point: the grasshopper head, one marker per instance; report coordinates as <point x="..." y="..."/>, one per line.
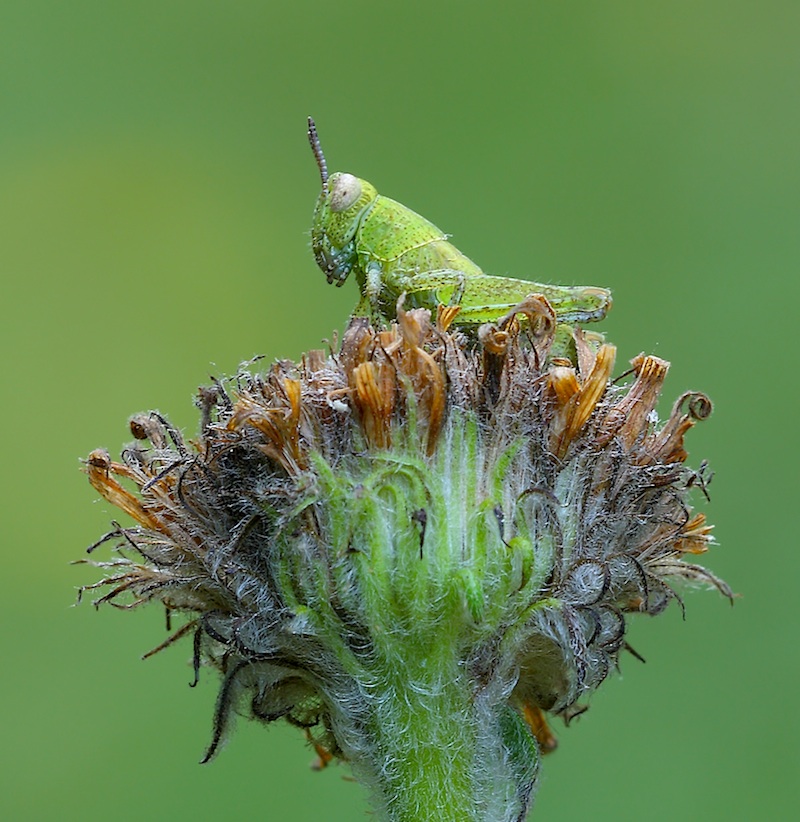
<point x="343" y="203"/>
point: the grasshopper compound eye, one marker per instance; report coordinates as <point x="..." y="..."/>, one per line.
<point x="345" y="190"/>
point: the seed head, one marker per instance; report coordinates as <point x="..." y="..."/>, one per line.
<point x="414" y="524"/>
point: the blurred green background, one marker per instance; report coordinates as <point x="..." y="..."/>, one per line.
<point x="156" y="190"/>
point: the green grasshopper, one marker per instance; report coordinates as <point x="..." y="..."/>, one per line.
<point x="393" y="251"/>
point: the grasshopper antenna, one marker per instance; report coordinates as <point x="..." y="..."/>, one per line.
<point x="317" y="149"/>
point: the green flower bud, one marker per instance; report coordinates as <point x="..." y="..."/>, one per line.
<point x="415" y="546"/>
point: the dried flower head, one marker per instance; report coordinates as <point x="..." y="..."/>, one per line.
<point x="415" y="545"/>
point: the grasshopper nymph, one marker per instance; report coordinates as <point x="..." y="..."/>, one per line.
<point x="393" y="250"/>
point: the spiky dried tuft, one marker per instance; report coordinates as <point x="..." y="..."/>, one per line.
<point x="411" y="510"/>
